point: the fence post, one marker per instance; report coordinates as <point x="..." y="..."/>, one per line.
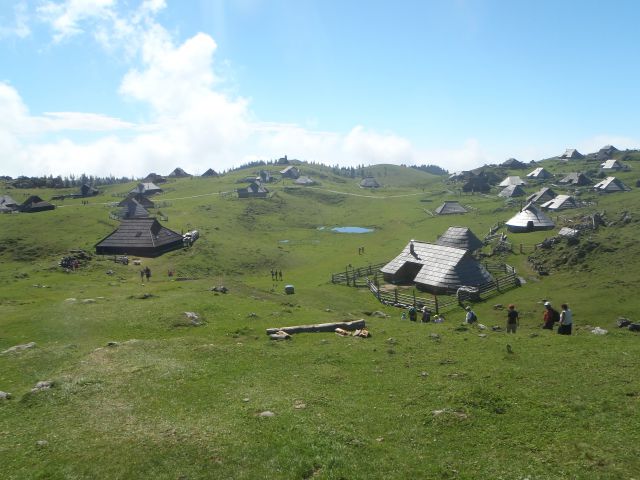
<point x="498" y="285"/>
<point x="414" y="297"/>
<point x="521" y="248"/>
<point x="435" y="302"/>
<point x="346" y="275"/>
<point x="395" y="294"/>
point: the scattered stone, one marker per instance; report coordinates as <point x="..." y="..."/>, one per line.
<point x="380" y="439"/>
<point x="110" y="272"/>
<point x="391" y="341"/>
<point x="219" y="289"/>
<point x="496" y="328"/>
<point x="71" y="300"/>
<point x="328" y="310"/>
<point x="252" y="315"/>
<point x="113" y="344"/>
<point x="482" y="335"/>
<point x="599" y="331"/>
<point x="194" y="318"/>
<point x="280" y="335"/>
<point x="4" y="395"/>
<point x="379" y="314"/>
<point x="42" y="443"/>
<point x="144" y="296"/>
<point x="634" y="327"/>
<point x="245" y="399"/>
<point x="498" y="306"/>
<point x="424" y="374"/>
<point x="88" y="300"/>
<point x="299" y="405"/>
<point x="623" y="322"/>
<point x="42" y="385"/>
<point x="267" y="414"/>
<point x="434" y="336"/>
<point x="481" y="326"/>
<point x="19" y="348"/>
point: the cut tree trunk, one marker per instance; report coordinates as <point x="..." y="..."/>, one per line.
<point x="320" y="327"/>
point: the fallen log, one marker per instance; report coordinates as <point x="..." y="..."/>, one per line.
<point x="320" y="327"/>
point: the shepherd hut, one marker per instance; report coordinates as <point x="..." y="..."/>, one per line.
<point x="35" y="204"/>
<point x="571" y="154"/>
<point x="561" y="202"/>
<point x="511" y="191"/>
<point x="513" y="163"/>
<point x="140" y="198"/>
<point x="512" y="180"/>
<point x="290" y="172"/>
<point x="543" y="195"/>
<point x="87" y="190"/>
<point x="611" y="184"/>
<point x="575" y="178"/>
<point x="253" y="190"/>
<point x="131" y="208"/>
<point x="7" y="204"/>
<point x="450" y="207"/>
<point x="539" y="174"/>
<point x="611" y="164"/>
<point x="179" y="173"/>
<point x="305" y="181"/>
<point x="460" y="237"/>
<point x="529" y="219"/>
<point x="436" y="269"/>
<point x="147" y="188"/>
<point x="144" y="237"/>
<point x="209" y="173"/>
<point x="369" y="182"/>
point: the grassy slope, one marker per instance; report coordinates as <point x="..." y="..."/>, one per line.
<point x="173" y="400"/>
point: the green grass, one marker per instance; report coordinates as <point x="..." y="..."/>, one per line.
<point x="178" y="401"/>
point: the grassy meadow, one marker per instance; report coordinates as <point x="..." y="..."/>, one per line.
<point x="140" y="392"/>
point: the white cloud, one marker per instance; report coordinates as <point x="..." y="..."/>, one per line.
<point x="66" y="18"/>
<point x="20" y="27"/>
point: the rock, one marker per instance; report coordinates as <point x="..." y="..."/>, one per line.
<point x="498" y="306"/>
<point x="267" y="414"/>
<point x="88" y="300"/>
<point x="220" y="289"/>
<point x="245" y="399"/>
<point x="379" y="314"/>
<point x="42" y="443"/>
<point x="113" y="344"/>
<point x="482" y="335"/>
<point x="623" y="322"/>
<point x="42" y="385"/>
<point x="299" y="405"/>
<point x="634" y="327"/>
<point x="70" y="300"/>
<point x="424" y="374"/>
<point x="481" y="326"/>
<point x="599" y="331"/>
<point x="434" y="336"/>
<point x="193" y="318"/>
<point x="4" y="395"/>
<point x="496" y="328"/>
<point x="19" y="348"/>
<point x="252" y="315"/>
<point x="109" y="272"/>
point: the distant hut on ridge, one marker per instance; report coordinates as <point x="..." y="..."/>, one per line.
<point x="35" y="204"/>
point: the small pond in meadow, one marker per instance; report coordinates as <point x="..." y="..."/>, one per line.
<point x="352" y="230"/>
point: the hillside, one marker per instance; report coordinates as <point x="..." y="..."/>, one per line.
<point x="140" y="391"/>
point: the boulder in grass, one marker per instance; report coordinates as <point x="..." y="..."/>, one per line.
<point x="42" y="385"/>
<point x="20" y="348"/>
<point x="623" y="322"/>
<point x="634" y="327"/>
<point x="4" y="395"/>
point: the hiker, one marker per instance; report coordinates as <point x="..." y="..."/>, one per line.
<point x="147" y="273"/>
<point x="412" y="248"/>
<point x="566" y="320"/>
<point x="403" y="316"/>
<point x="513" y="320"/>
<point x="272" y="273"/>
<point x="550" y="317"/>
<point x="413" y="313"/>
<point x="471" y="316"/>
<point x="280" y="273"/>
<point x="426" y="315"/>
<point x="142" y="274"/>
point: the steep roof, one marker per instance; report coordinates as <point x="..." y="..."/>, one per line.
<point x="146" y="188"/>
<point x="304" y="181"/>
<point x="611" y="184"/>
<point x="561" y="202"/>
<point x="369" y="182"/>
<point x="133" y="209"/>
<point x="512" y="180"/>
<point x="611" y="164"/>
<point x="513" y="163"/>
<point x="209" y="173"/>
<point x="442" y="267"/>
<point x="529" y="218"/>
<point x="539" y="172"/>
<point x="460" y="237"/>
<point x="7" y="201"/>
<point x="575" y="178"/>
<point x="35" y="204"/>
<point x="140" y="198"/>
<point x="179" y="173"/>
<point x="450" y="207"/>
<point x="140" y="234"/>
<point x="512" y="191"/>
<point x="541" y="195"/>
<point x="571" y="153"/>
<point x="254" y="188"/>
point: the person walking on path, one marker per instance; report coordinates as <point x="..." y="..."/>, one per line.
<point x="147" y="273"/>
<point x="551" y="316"/>
<point x="471" y="316"/>
<point x="513" y="320"/>
<point x="566" y="320"/>
<point x="280" y="274"/>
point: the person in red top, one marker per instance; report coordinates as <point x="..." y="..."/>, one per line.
<point x="550" y="316"/>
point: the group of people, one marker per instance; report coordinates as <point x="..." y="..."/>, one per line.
<point x="276" y="275"/>
<point x="424" y="313"/>
<point x="550" y="317"/>
<point x="145" y="272"/>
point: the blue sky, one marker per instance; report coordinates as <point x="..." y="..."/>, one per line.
<point x="128" y="87"/>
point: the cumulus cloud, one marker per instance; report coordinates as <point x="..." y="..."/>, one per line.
<point x="67" y="18"/>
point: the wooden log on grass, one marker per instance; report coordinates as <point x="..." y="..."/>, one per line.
<point x="319" y="327"/>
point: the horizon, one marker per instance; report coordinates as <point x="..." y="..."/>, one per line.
<point x="147" y="86"/>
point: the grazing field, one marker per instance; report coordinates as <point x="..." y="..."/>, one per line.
<point x="140" y="391"/>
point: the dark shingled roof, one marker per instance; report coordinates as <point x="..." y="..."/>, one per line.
<point x="460" y="237"/>
<point x="179" y="173"/>
<point x="441" y="268"/>
<point x="140" y="236"/>
<point x="146" y="188"/>
<point x="541" y="195"/>
<point x="209" y="173"/>
<point x="369" y="182"/>
<point x="255" y="189"/>
<point x="140" y="198"/>
<point x="561" y="202"/>
<point x="575" y="178"/>
<point x="450" y="208"/>
<point x="133" y="209"/>
<point x="512" y="191"/>
<point x="35" y="204"/>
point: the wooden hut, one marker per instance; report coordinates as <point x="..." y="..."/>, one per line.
<point x="512" y="180"/>
<point x="436" y="269"/>
<point x="543" y="195"/>
<point x="132" y="209"/>
<point x="611" y="164"/>
<point x="143" y="200"/>
<point x="513" y="163"/>
<point x="146" y="188"/>
<point x="511" y="191"/>
<point x="460" y="237"/>
<point x="450" y="207"/>
<point x="144" y="237"/>
<point x="539" y="174"/>
<point x="571" y="154"/>
<point x="8" y="204"/>
<point x="611" y="184"/>
<point x="209" y="173"/>
<point x="304" y="181"/>
<point x="369" y="182"/>
<point x="561" y="202"/>
<point x="529" y="219"/>
<point x="290" y="172"/>
<point x="87" y="190"/>
<point x="254" y="190"/>
<point x="575" y="178"/>
<point x="35" y="204"/>
<point x="179" y="173"/>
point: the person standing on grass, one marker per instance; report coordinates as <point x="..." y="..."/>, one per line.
<point x="142" y="275"/>
<point x="413" y="313"/>
<point x="566" y="320"/>
<point x="513" y="320"/>
<point x="147" y="273"/>
<point x="551" y="316"/>
<point x="471" y="316"/>
<point x="426" y="315"/>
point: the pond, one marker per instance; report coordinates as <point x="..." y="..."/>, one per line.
<point x="352" y="230"/>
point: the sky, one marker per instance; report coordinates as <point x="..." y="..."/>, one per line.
<point x="129" y="87"/>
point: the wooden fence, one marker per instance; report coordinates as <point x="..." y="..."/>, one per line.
<point x="505" y="278"/>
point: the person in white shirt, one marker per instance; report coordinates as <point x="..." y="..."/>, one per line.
<point x="566" y="320"/>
